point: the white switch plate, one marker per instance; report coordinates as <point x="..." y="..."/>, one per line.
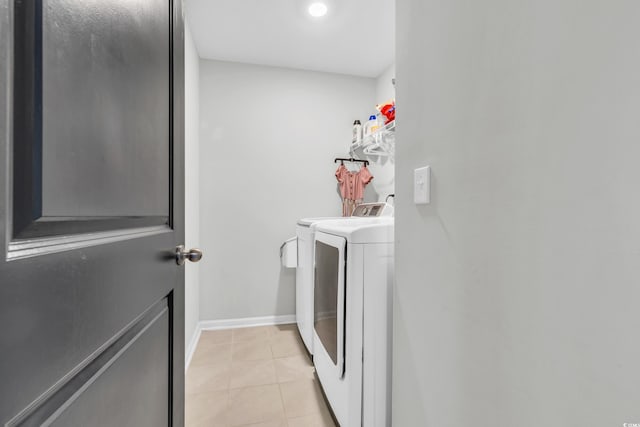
<point x="422" y="186"/>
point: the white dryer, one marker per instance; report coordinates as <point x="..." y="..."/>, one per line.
<point x="353" y="318"/>
<point x="305" y="231"/>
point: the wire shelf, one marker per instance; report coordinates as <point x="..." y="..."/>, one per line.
<point x="380" y="143"/>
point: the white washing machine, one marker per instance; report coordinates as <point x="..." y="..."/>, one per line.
<point x="352" y="331"/>
<point x="305" y="231"/>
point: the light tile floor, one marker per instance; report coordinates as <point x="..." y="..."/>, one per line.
<point x="253" y="377"/>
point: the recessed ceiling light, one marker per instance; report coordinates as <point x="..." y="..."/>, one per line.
<point x="318" y="9"/>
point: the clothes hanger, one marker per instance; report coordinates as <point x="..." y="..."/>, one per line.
<point x="352" y="160"/>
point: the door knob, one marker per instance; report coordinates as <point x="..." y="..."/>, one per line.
<point x="182" y="255"/>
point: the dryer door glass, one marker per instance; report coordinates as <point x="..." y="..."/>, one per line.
<point x="329" y="298"/>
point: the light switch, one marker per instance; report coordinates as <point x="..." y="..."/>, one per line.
<point x="422" y="186"/>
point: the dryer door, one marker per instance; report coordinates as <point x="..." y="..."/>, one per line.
<point x="329" y="297"/>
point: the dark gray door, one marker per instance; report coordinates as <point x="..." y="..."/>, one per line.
<point x="91" y="209"/>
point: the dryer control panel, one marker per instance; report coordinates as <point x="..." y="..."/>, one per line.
<point x="373" y="210"/>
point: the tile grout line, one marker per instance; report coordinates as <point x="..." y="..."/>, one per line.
<point x="284" y="410"/>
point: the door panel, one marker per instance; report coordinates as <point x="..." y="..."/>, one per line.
<point x="142" y="402"/>
<point x="92" y="392"/>
<point x="91" y="209"/>
<point x="71" y="316"/>
<point x="91" y="115"/>
<point x="104" y="152"/>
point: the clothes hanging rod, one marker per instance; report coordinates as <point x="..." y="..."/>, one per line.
<point x="352" y="160"/>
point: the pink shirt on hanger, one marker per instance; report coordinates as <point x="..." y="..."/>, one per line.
<point x="352" y="184"/>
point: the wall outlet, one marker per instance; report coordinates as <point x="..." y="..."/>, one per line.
<point x="422" y="186"/>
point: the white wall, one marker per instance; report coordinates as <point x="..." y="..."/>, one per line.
<point x="384" y="86"/>
<point x="192" y="192"/>
<point x="518" y="287"/>
<point x="267" y="143"/>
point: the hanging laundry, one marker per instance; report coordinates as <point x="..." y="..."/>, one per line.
<point x="352" y="185"/>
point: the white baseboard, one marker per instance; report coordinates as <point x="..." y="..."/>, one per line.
<point x="211" y="325"/>
<point x="191" y="348"/>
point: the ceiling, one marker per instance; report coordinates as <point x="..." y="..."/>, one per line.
<point x="356" y="37"/>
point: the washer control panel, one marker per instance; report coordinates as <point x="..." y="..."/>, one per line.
<point x="373" y="210"/>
